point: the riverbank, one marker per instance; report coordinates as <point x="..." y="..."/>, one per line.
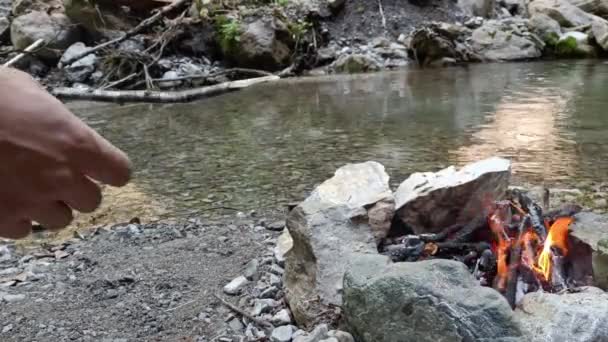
<point x="162" y="46"/>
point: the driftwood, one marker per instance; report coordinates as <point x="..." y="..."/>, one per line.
<point x="27" y="50"/>
<point x="137" y="29"/>
<point x="158" y="96"/>
<point x="267" y="326"/>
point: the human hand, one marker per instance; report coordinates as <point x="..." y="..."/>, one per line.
<point x="48" y="159"/>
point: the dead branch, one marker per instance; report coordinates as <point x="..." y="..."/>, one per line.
<point x="119" y="82"/>
<point x="27" y="50"/>
<point x="158" y="96"/>
<point x="141" y="26"/>
<point x="261" y="323"/>
<point x="382" y="14"/>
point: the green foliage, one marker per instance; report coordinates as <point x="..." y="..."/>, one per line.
<point x="566" y="47"/>
<point x="298" y="29"/>
<point x="551" y="39"/>
<point x="283" y="2"/>
<point x="229" y="33"/>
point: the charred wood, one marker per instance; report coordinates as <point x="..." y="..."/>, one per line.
<point x="536" y="214"/>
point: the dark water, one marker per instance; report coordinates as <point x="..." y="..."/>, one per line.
<point x="271" y="144"/>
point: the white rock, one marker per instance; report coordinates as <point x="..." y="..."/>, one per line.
<point x="10" y="298"/>
<point x="282" y="317"/>
<point x="235" y="286"/>
<point x="282" y="334"/>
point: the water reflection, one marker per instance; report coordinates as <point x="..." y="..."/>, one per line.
<point x="271" y="144"/>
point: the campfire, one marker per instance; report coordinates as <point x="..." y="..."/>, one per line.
<point x="511" y="246"/>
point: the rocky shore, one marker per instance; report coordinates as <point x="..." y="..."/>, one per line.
<point x="198" y="43"/>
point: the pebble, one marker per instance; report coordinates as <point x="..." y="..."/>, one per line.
<point x="262" y="306"/>
<point x="251" y="270"/>
<point x="234" y="287"/>
<point x="236" y="325"/>
<point x="341" y="336"/>
<point x="276" y="269"/>
<point x="282" y="317"/>
<point x="282" y="334"/>
<point x="7" y="328"/>
<point x="10" y="270"/>
<point x="270" y="292"/>
<point x="276" y="226"/>
<point x="275" y="280"/>
<point x="11" y="298"/>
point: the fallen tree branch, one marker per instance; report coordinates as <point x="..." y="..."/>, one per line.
<point x="144" y="24"/>
<point x="27" y="50"/>
<point x="158" y="96"/>
<point x="382" y="14"/>
<point x="261" y="323"/>
<point x="253" y="72"/>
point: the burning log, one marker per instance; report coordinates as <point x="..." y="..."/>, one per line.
<point x="514" y="263"/>
<point x="535" y="212"/>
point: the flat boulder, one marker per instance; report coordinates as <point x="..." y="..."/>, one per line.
<point x="505" y="40"/>
<point x="592" y="229"/>
<point x="432" y="300"/>
<point x="572" y="317"/>
<point x="430" y="201"/>
<point x="341" y="217"/>
<point x="562" y="11"/>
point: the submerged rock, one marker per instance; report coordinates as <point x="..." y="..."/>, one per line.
<point x="592" y="229"/>
<point x="430" y="201"/>
<point x="433" y="300"/>
<point x="572" y="317"/>
<point x="56" y="30"/>
<point x="327" y="228"/>
<point x="505" y="40"/>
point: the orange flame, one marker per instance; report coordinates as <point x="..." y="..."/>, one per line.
<point x="557" y="237"/>
<point x="501" y="249"/>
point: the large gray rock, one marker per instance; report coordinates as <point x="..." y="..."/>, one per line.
<point x="546" y="28"/>
<point x="327" y="228"/>
<point x="428" y="202"/>
<point x="572" y="317"/>
<point x="565" y="13"/>
<point x="599" y="29"/>
<point x="597" y="7"/>
<point x="433" y="300"/>
<point x="478" y="8"/>
<point x="263" y="44"/>
<point x="505" y="40"/>
<point x="592" y="229"/>
<point x="437" y="41"/>
<point x="21" y="7"/>
<point x="83" y="68"/>
<point x="56" y="29"/>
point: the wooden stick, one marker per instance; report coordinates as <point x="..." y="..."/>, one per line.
<point x="382" y="14"/>
<point x="144" y="24"/>
<point x="261" y="323"/>
<point x="27" y="50"/>
<point x="158" y="96"/>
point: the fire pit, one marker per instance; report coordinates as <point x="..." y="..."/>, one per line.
<point x="511" y="246"/>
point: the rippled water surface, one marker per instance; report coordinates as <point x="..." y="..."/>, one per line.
<point x="270" y="144"/>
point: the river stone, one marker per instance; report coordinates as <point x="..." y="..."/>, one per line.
<point x="56" y="29"/>
<point x="264" y="44"/>
<point x="431" y="300"/>
<point x="236" y="285"/>
<point x="355" y="63"/>
<point x="572" y="317"/>
<point x="545" y="28"/>
<point x="575" y="44"/>
<point x="597" y="7"/>
<point x="599" y="29"/>
<point x="592" y="229"/>
<point x="282" y="333"/>
<point x="83" y="68"/>
<point x="431" y="201"/>
<point x="327" y="228"/>
<point x="504" y="41"/>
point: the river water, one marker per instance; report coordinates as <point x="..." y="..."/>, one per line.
<point x="268" y="145"/>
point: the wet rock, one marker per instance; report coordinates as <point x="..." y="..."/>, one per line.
<point x="82" y="69"/>
<point x="355" y="63"/>
<point x="282" y="317"/>
<point x="505" y="41"/>
<point x="327" y="228"/>
<point x="592" y="229"/>
<point x="236" y="285"/>
<point x="282" y="333"/>
<point x="572" y="317"/>
<point x="251" y="270"/>
<point x="56" y="29"/>
<point x="422" y="301"/>
<point x="545" y="28"/>
<point x="262" y="306"/>
<point x="264" y="44"/>
<point x="481" y="8"/>
<point x="429" y="202"/>
<point x="574" y="44"/>
<point x="341" y="336"/>
<point x="284" y="244"/>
